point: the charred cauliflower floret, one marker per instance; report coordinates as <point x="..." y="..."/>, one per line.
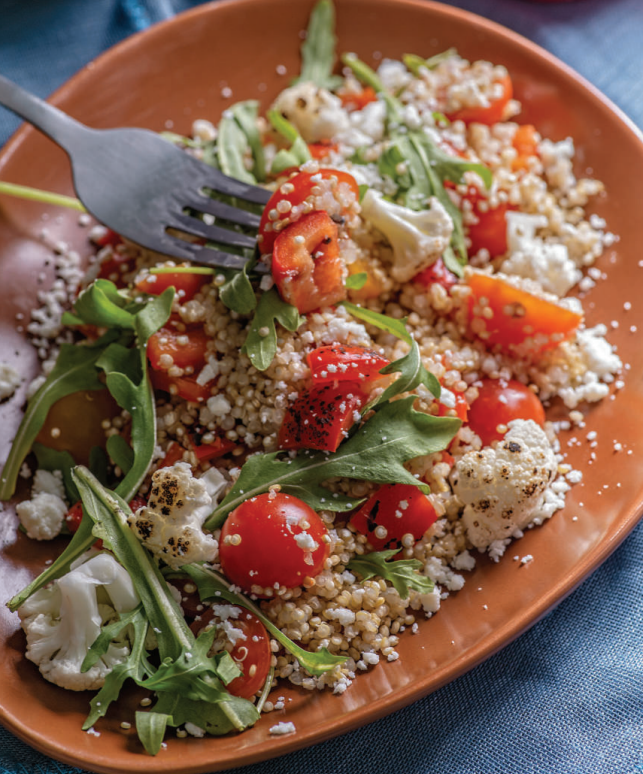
<point x="314" y="111"/>
<point x="503" y="486"/>
<point x="171" y="524"/>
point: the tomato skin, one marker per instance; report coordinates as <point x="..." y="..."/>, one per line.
<point x="380" y="511"/>
<point x="525" y="141"/>
<point x="191" y="353"/>
<point x="518" y="317"/>
<point x="251" y="654"/>
<point x="305" y="281"/>
<point x="186" y="285"/>
<point x="498" y="403"/>
<point x="320" y="418"/>
<point x="436" y="273"/>
<point x="268" y="552"/>
<point x="489" y="115"/>
<point x="185" y="387"/>
<point x="490" y="232"/>
<point x="460" y="410"/>
<point x="342" y="363"/>
<point x="210" y="451"/>
<point x="173" y="454"/>
<point x="302" y="184"/>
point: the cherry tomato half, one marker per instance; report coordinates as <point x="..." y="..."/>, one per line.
<point x="498" y="403"/>
<point x="436" y="273"/>
<point x="251" y="653"/>
<point x="296" y="196"/>
<point x="518" y="318"/>
<point x="187" y="349"/>
<point x="321" y="417"/>
<point x="187" y="285"/>
<point x="306" y="265"/>
<point x="342" y="363"/>
<point x="490" y="114"/>
<point x="393" y="511"/>
<point x="272" y="539"/>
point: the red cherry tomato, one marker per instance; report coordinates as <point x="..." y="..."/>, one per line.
<point x="498" y="403"/>
<point x="518" y="318"/>
<point x="340" y="363"/>
<point x="298" y="193"/>
<point x="460" y="409"/>
<point x="399" y="509"/>
<point x="489" y="115"/>
<point x="321" y="417"/>
<point x="306" y="265"/>
<point x="436" y="273"/>
<point x="188" y="348"/>
<point x="251" y="654"/>
<point x="185" y="387"/>
<point x="272" y="539"/>
<point x="186" y="284"/>
<point x="114" y="267"/>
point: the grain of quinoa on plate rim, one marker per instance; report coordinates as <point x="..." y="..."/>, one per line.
<point x="422" y="246"/>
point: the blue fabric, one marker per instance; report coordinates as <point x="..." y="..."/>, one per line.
<point x="565" y="698"/>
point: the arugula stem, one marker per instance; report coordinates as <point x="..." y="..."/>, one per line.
<point x="36" y="195"/>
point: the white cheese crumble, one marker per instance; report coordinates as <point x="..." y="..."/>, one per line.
<point x="282" y="728"/>
<point x="9" y="381"/>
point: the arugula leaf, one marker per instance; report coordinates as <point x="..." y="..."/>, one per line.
<point x="103" y="305"/>
<point x="356" y="281"/>
<point x="231" y="148"/>
<point x="237" y="292"/>
<point x="400" y="573"/>
<point x="150" y="727"/>
<point x="121" y="453"/>
<point x="75" y="370"/>
<point x="211" y="585"/>
<point x="318" y="50"/>
<point x="54" y="459"/>
<point x="261" y="348"/>
<point x="414" y="62"/>
<point x="298" y="153"/>
<point x="412" y="371"/>
<point x="245" y="114"/>
<point x="376" y="452"/>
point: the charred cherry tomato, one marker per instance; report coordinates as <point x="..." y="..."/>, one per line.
<point x="187" y="349"/>
<point x="272" y="539"/>
<point x="321" y="417"/>
<point x="306" y="265"/>
<point x="525" y="141"/>
<point x="436" y="273"/>
<point x="185" y="387"/>
<point x="252" y="653"/>
<point x="393" y="511"/>
<point x="187" y="285"/>
<point x="292" y="195"/>
<point x="518" y="318"/>
<point x="498" y="403"/>
<point x="210" y="451"/>
<point x="490" y="114"/>
<point x="358" y="100"/>
<point x="342" y="363"/>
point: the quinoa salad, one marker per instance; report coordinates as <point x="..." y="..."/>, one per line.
<point x="279" y="472"/>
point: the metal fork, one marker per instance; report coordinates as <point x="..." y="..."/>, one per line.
<point x="140" y="185"/>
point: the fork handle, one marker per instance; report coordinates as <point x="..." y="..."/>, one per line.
<point x="60" y="127"/>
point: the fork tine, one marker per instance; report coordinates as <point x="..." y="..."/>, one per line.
<point x="210" y="256"/>
<point x="224" y="236"/>
<point x="223" y="211"/>
<point x="213" y="178"/>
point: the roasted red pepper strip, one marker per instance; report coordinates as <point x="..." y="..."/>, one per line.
<point x="339" y="362"/>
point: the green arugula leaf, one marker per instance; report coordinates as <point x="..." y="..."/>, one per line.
<point x="54" y="459"/>
<point x="211" y="585"/>
<point x="232" y="144"/>
<point x="376" y="452"/>
<point x="150" y="727"/>
<point x="356" y="281"/>
<point x="245" y="114"/>
<point x="102" y="304"/>
<point x="98" y="464"/>
<point x="402" y="573"/>
<point x="298" y="154"/>
<point x="121" y="453"/>
<point x="414" y="62"/>
<point x="237" y="292"/>
<point x="318" y="50"/>
<point x="412" y="372"/>
<point x="261" y="348"/>
<point x="180" y="139"/>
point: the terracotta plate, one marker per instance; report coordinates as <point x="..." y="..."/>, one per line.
<point x="175" y="72"/>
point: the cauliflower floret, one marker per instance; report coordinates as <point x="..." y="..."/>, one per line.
<point x="314" y="111"/>
<point x="63" y="620"/>
<point x="9" y="381"/>
<point x="170" y="525"/>
<point x="418" y="239"/>
<point x="43" y="516"/>
<point x="503" y="486"/>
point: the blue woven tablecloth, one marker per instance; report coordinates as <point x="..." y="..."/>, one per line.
<point x="565" y="698"/>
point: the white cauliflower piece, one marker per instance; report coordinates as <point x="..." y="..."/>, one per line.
<point x="48" y="482"/>
<point x="43" y="516"/>
<point x="9" y="381"/>
<point x="533" y="258"/>
<point x="503" y="486"/>
<point x="63" y="620"/>
<point x="418" y="239"/>
<point x="315" y="112"/>
<point x="170" y="525"/>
